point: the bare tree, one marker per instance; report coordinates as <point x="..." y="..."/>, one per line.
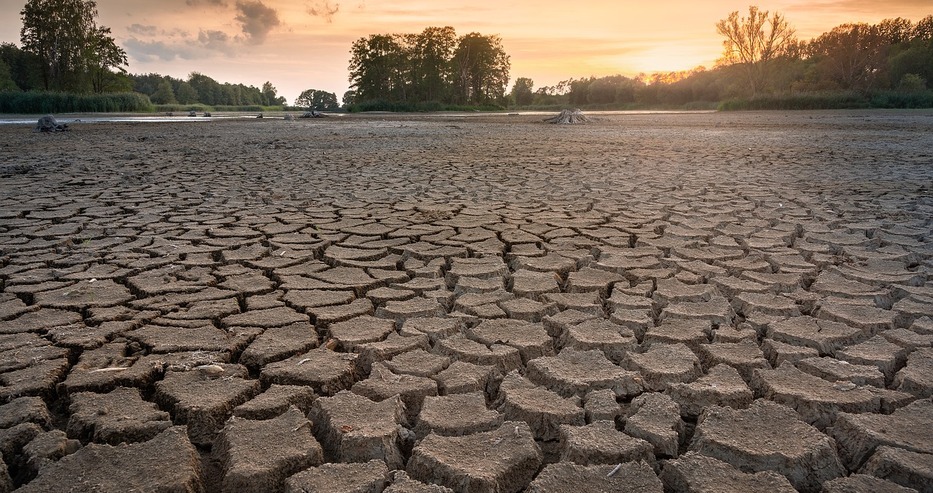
<point x="755" y="40"/>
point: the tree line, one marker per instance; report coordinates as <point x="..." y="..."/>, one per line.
<point x="433" y="66"/>
<point x="201" y="89"/>
<point x="64" y="51"/>
<point x="888" y="64"/>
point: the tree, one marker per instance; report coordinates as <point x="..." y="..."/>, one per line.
<point x="185" y="93"/>
<point x="852" y="55"/>
<point x="376" y="68"/>
<point x="923" y="30"/>
<point x="24" y="66"/>
<point x="269" y="97"/>
<point x="430" y="53"/>
<point x="894" y="31"/>
<point x="481" y="69"/>
<point x="103" y="54"/>
<point x="6" y="79"/>
<point x="209" y="91"/>
<point x="63" y="34"/>
<point x="349" y="98"/>
<point x="164" y="93"/>
<point x="753" y="41"/>
<point x="522" y="91"/>
<point x="314" y="99"/>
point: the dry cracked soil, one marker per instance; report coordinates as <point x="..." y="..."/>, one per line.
<point x="477" y="303"/>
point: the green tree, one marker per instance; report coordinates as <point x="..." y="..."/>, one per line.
<point x="481" y="69"/>
<point x="314" y="99"/>
<point x="854" y="56"/>
<point x="103" y="54"/>
<point x="894" y="31"/>
<point x="24" y="66"/>
<point x="376" y="68"/>
<point x="349" y="98"/>
<point x="430" y="53"/>
<point x="923" y="30"/>
<point x="146" y="83"/>
<point x="753" y="41"/>
<point x="912" y="83"/>
<point x="269" y="96"/>
<point x="185" y="94"/>
<point x="164" y="93"/>
<point x="6" y="79"/>
<point x="522" y="91"/>
<point x="62" y="33"/>
<point x="210" y="92"/>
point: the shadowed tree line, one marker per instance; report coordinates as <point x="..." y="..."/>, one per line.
<point x="66" y="58"/>
<point x="69" y="63"/>
<point x="427" y="70"/>
<point x="201" y="89"/>
<point x="764" y="65"/>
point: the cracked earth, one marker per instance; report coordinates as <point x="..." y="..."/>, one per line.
<point x="667" y="302"/>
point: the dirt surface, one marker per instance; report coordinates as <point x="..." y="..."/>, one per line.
<point x="645" y="300"/>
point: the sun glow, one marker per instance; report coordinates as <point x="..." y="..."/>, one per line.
<point x="667" y="58"/>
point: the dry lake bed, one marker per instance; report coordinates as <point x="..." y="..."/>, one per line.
<point x="480" y="303"/>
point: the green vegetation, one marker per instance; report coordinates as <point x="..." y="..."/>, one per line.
<point x="886" y="65"/>
<point x="314" y="99"/>
<point x="68" y="63"/>
<point x="70" y="52"/>
<point x="418" y="107"/>
<point x="431" y="69"/>
<point x="201" y="89"/>
<point x="61" y="102"/>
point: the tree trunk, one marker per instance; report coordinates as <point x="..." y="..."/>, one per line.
<point x="568" y="117"/>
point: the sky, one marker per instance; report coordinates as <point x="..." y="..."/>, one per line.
<point x="305" y="44"/>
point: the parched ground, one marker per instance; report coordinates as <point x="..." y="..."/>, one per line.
<point x="677" y="302"/>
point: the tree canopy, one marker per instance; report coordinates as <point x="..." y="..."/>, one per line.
<point x="754" y="40"/>
<point x="431" y="66"/>
<point x="888" y="64"/>
<point x="74" y="54"/>
<point x="314" y="99"/>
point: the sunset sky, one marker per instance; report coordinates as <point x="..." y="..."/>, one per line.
<point x="302" y="44"/>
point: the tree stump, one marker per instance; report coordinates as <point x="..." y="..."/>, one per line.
<point x="48" y="123"/>
<point x="568" y="117"/>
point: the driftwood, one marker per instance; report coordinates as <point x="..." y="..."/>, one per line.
<point x="568" y="117"/>
<point x="313" y="114"/>
<point x="48" y="123"/>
